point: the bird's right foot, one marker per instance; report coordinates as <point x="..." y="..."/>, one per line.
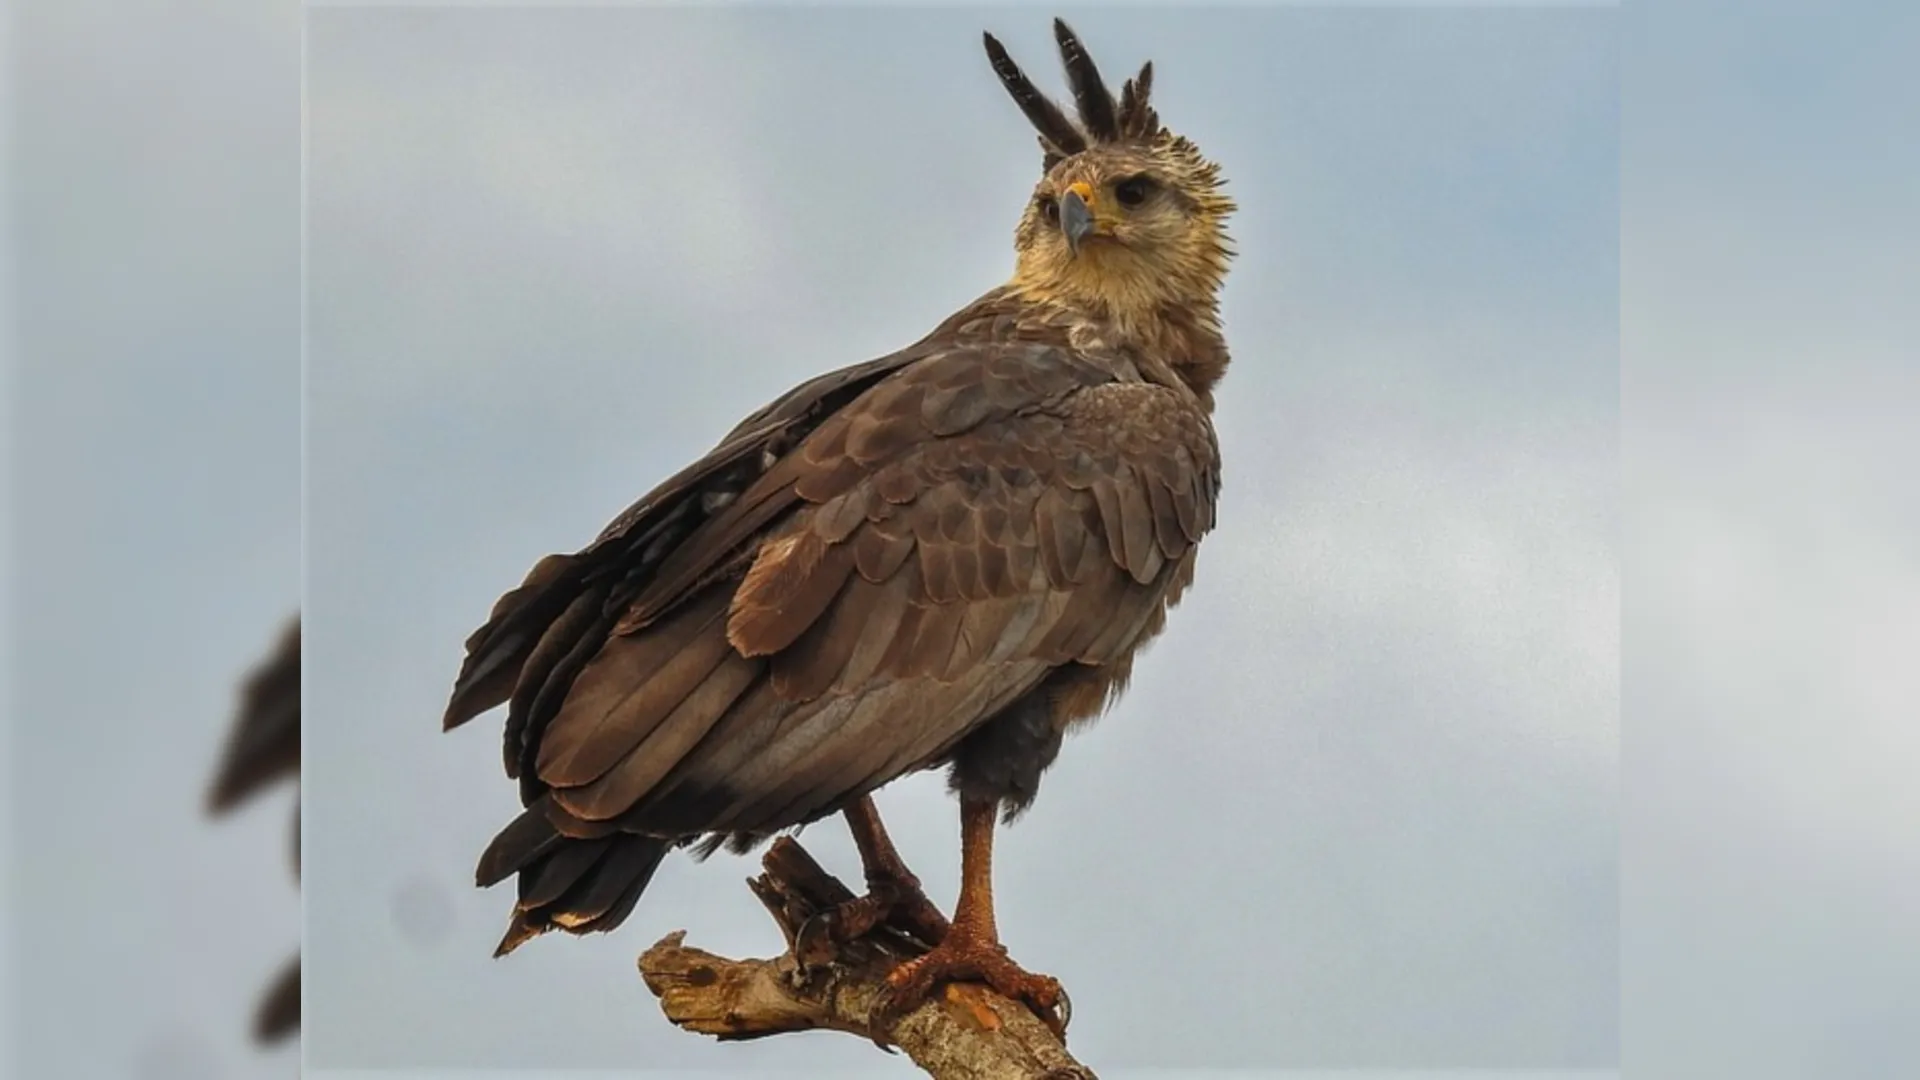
<point x="967" y="955"/>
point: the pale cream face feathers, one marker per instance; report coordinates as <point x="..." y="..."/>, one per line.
<point x="1126" y="228"/>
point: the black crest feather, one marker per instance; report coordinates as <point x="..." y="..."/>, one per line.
<point x="1137" y="119"/>
<point x="1102" y="118"/>
<point x="1053" y="125"/>
<point x="1090" y="92"/>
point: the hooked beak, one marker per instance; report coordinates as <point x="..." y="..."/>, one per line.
<point x="1076" y="216"/>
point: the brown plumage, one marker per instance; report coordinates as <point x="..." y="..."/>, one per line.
<point x="944" y="557"/>
<point x="262" y="750"/>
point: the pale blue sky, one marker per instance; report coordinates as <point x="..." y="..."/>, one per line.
<point x="1772" y="615"/>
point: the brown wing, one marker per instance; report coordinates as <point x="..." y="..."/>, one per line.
<point x="556" y="603"/>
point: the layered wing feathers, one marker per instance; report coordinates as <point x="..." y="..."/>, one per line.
<point x="918" y="562"/>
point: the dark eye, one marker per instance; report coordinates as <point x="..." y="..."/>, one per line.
<point x="1133" y="190"/>
<point x="1050" y="209"/>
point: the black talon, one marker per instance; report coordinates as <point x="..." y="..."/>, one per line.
<point x="816" y="943"/>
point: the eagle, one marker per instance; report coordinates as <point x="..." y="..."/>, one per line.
<point x="262" y="749"/>
<point x="947" y="557"/>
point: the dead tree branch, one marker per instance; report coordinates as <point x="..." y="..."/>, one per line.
<point x="969" y="1033"/>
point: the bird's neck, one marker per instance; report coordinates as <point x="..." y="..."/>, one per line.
<point x="1186" y="335"/>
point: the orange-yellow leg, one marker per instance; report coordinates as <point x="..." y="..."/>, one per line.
<point x="971" y="950"/>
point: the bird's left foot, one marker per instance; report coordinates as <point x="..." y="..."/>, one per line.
<point x="965" y="956"/>
<point x="893" y="899"/>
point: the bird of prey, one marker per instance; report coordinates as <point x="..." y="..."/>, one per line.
<point x="262" y="749"/>
<point x="944" y="557"/>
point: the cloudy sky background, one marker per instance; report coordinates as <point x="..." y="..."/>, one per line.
<point x="1772" y="610"/>
<point x="1365" y="791"/>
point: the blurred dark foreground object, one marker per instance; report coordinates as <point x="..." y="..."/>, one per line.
<point x="264" y="748"/>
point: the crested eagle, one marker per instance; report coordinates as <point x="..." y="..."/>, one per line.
<point x="944" y="557"/>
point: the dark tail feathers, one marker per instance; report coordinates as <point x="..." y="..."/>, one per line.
<point x="578" y="885"/>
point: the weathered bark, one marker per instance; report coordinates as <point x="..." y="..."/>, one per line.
<point x="969" y="1033"/>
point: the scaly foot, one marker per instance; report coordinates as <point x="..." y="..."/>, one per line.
<point x="894" y="899"/>
<point x="964" y="956"/>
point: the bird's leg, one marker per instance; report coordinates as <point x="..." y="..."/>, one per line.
<point x="893" y="898"/>
<point x="971" y="950"/>
<point x="893" y="891"/>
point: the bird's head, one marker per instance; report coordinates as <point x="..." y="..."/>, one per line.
<point x="1128" y="217"/>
